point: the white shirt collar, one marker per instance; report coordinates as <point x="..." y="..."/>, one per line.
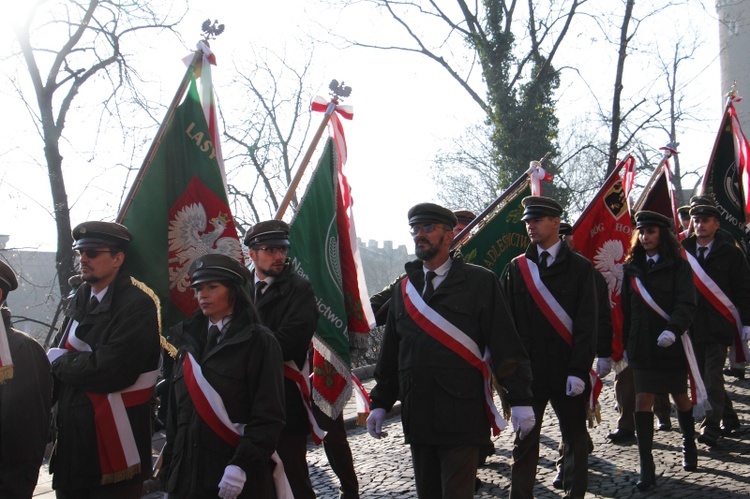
<point x="99" y="295"/>
<point x="552" y="250"/>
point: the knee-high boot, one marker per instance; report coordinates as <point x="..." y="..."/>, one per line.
<point x="644" y="432"/>
<point x="689" y="451"/>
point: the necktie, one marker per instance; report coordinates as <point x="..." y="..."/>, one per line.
<point x="259" y="287"/>
<point x="651" y="262"/>
<point x="543" y="259"/>
<point x="213" y="336"/>
<point x="702" y="253"/>
<point x="429" y="289"/>
<point x="93" y="303"/>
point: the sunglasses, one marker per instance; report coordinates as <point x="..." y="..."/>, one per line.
<point x="90" y="253"/>
<point x="426" y="228"/>
<point x="272" y="250"/>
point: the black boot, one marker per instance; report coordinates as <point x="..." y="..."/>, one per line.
<point x="644" y="432"/>
<point x="689" y="450"/>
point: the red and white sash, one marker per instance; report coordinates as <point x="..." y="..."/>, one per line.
<point x="720" y="301"/>
<point x="698" y="389"/>
<point x="211" y="409"/>
<point x="302" y="380"/>
<point x="550" y="307"/>
<point x="456" y="340"/>
<point x="118" y="454"/>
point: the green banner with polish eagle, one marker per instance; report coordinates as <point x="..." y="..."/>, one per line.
<point x="179" y="211"/>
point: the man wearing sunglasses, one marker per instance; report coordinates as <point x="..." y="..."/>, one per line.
<point x="445" y="319"/>
<point x="104" y="368"/>
<point x="286" y="305"/>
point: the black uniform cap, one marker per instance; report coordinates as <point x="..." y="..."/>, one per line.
<point x="217" y="267"/>
<point x="565" y="229"/>
<point x="96" y="234"/>
<point x="430" y="212"/>
<point x="705" y="210"/>
<point x="540" y="206"/>
<point x="646" y="218"/>
<point x="703" y="200"/>
<point x="270" y="232"/>
<point x="464" y="216"/>
<point x="8" y="280"/>
<point x="684" y="212"/>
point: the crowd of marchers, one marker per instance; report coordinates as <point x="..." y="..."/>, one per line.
<point x="235" y="403"/>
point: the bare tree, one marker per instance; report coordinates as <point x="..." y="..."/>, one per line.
<point x="512" y="44"/>
<point x="64" y="45"/>
<point x="268" y="142"/>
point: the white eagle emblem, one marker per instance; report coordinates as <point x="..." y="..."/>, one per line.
<point x="190" y="239"/>
<point x="608" y="261"/>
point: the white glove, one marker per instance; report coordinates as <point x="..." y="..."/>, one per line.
<point x="604" y="366"/>
<point x="375" y="423"/>
<point x="666" y="338"/>
<point x="745" y="333"/>
<point x="54" y="353"/>
<point x="575" y="386"/>
<point x="523" y="419"/>
<point x="232" y="482"/>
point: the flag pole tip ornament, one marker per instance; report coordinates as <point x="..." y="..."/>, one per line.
<point x="670" y="149"/>
<point x="540" y="206"/>
<point x="211" y="30"/>
<point x="339" y="90"/>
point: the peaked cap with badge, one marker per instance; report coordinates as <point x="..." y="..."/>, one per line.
<point x="96" y="234"/>
<point x="540" y="206"/>
<point x="431" y="212"/>
<point x="703" y="206"/>
<point x="647" y="218"/>
<point x="269" y="232"/>
<point x="8" y="280"/>
<point x="218" y="267"/>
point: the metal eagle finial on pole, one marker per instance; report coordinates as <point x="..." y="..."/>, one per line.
<point x="338" y="91"/>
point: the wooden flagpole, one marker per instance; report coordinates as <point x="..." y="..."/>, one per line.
<point x="502" y="197"/>
<point x="305" y="160"/>
<point x="338" y="91"/>
<point x="668" y="150"/>
<point x="160" y="134"/>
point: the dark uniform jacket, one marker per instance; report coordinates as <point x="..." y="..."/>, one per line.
<point x="670" y="284"/>
<point x="25" y="402"/>
<point x="726" y="265"/>
<point x="245" y="368"/>
<point x="289" y="310"/>
<point x="604" y="331"/>
<point x="123" y="333"/>
<point x="441" y="394"/>
<point x="570" y="279"/>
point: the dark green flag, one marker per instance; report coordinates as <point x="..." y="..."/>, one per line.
<point x="178" y="211"/>
<point x="501" y="237"/>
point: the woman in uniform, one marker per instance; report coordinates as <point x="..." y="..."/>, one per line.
<point x="227" y="399"/>
<point x="658" y="303"/>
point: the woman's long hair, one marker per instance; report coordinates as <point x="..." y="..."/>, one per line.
<point x="668" y="245"/>
<point x="241" y="300"/>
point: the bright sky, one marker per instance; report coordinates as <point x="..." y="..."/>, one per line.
<point x="406" y="109"/>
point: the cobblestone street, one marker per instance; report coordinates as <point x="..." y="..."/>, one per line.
<point x="384" y="466"/>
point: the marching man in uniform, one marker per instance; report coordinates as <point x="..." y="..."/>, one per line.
<point x="553" y="300"/>
<point x="722" y="317"/>
<point x="448" y="324"/>
<point x="104" y="369"/>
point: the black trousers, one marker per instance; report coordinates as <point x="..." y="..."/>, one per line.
<point x="292" y="449"/>
<point x="339" y="456"/>
<point x="571" y="414"/>
<point x="130" y="489"/>
<point x="445" y="471"/>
